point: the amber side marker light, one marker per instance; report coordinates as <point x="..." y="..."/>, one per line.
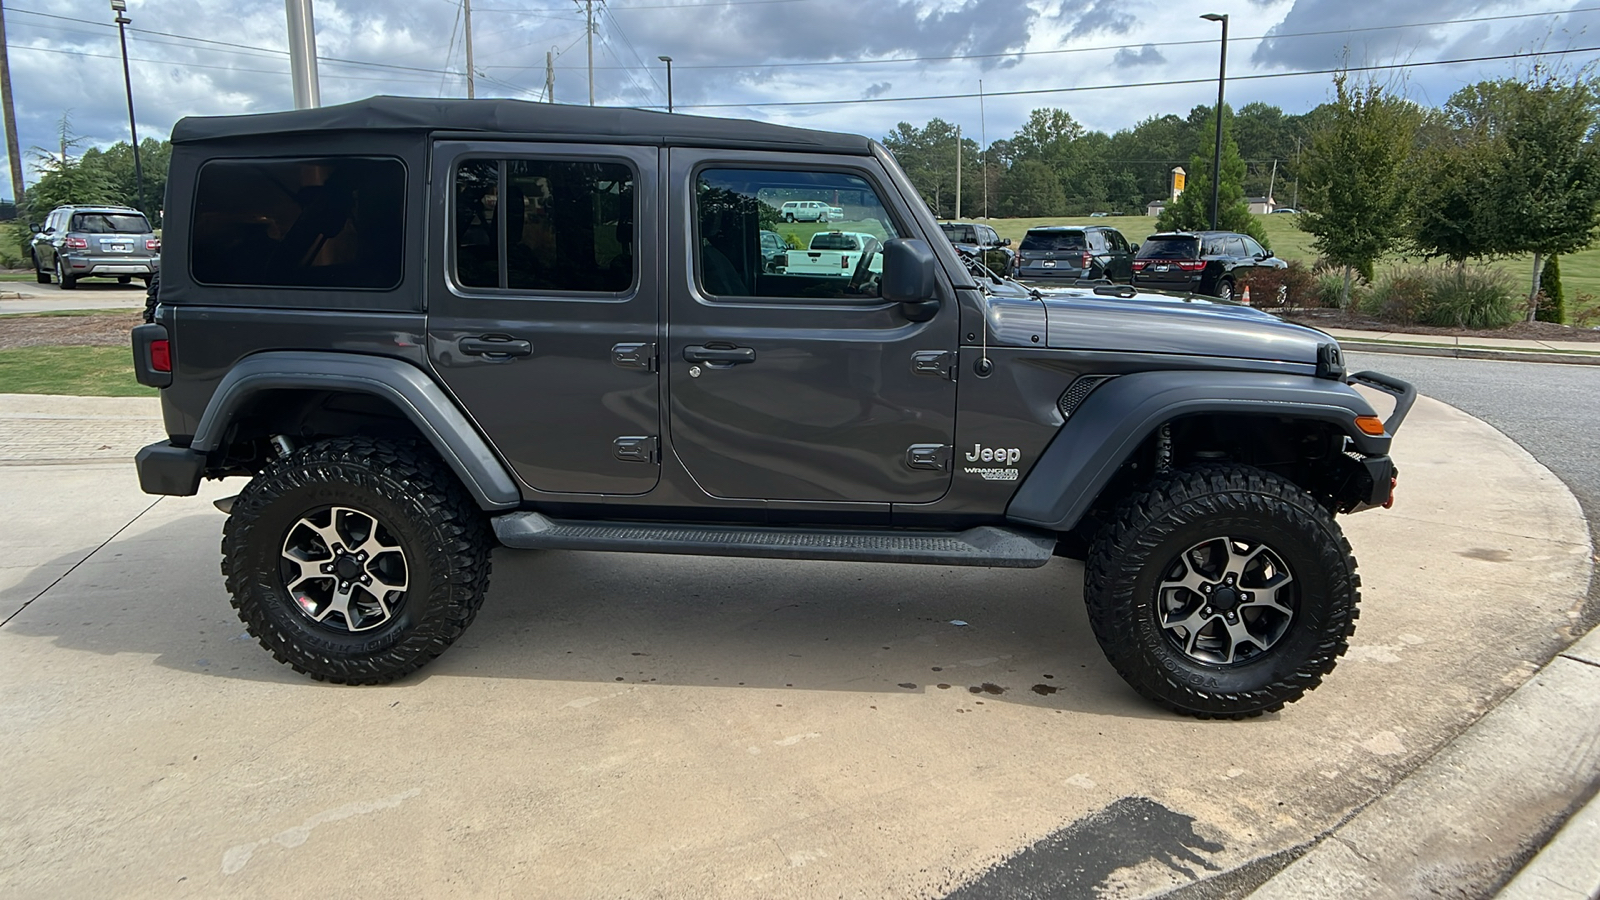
<point x="1370" y="425"/>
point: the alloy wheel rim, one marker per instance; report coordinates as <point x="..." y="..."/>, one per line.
<point x="344" y="569"/>
<point x="1226" y="601"/>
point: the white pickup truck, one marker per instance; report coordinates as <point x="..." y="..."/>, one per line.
<point x="835" y="253"/>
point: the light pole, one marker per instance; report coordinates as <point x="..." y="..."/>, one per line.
<point x="668" y="61"/>
<point x="119" y="7"/>
<point x="1222" y="81"/>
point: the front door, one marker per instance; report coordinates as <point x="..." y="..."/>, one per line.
<point x="543" y="314"/>
<point x="800" y="388"/>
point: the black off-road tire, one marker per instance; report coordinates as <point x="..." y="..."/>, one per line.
<point x="124" y="279"/>
<point x="423" y="508"/>
<point x="152" y="293"/>
<point x="1145" y="545"/>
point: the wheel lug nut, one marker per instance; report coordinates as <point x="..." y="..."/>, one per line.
<point x="1208" y="610"/>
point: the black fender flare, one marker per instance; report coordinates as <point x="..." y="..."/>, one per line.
<point x="1108" y="426"/>
<point x="408" y="388"/>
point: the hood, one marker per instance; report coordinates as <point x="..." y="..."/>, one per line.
<point x="1161" y="323"/>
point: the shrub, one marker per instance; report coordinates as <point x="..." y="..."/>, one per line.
<point x="15" y="238"/>
<point x="1401" y="296"/>
<point x="1330" y="286"/>
<point x="1293" y="286"/>
<point x="1471" y="298"/>
<point x="1551" y="307"/>
<point x="1585" y="310"/>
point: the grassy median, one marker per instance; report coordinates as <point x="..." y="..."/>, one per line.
<point x="80" y="371"/>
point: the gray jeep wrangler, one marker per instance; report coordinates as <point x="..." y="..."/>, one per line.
<point x="424" y="328"/>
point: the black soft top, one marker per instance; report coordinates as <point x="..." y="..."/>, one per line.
<point x="519" y="117"/>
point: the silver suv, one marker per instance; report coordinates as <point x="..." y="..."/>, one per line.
<point x="105" y="241"/>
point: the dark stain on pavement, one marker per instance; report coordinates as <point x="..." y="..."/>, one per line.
<point x="987" y="688"/>
<point x="1486" y="554"/>
<point x="1074" y="861"/>
<point x="1045" y="690"/>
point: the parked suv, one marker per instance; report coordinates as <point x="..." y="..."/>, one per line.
<point x="425" y="328"/>
<point x="981" y="242"/>
<point x="94" y="241"/>
<point x="810" y="211"/>
<point x="1069" y="252"/>
<point x="1200" y="262"/>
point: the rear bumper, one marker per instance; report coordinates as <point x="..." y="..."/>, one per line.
<point x="165" y="469"/>
<point x="1059" y="273"/>
<point x="80" y="265"/>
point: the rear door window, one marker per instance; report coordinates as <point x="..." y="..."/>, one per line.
<point x="1043" y="241"/>
<point x="1169" y="248"/>
<point x="1236" y="247"/>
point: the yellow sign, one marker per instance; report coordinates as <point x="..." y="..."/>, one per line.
<point x="1177" y="181"/>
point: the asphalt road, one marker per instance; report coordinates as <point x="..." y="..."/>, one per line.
<point x="1549" y="409"/>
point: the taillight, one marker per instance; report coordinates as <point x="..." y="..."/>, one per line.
<point x="1139" y="264"/>
<point x="153" y="244"/>
<point x="73" y="243"/>
<point x="1087" y="257"/>
<point x="844" y="261"/>
<point x="161" y="355"/>
<point x="1191" y="265"/>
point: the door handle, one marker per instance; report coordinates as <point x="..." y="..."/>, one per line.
<point x="495" y="345"/>
<point x="726" y="355"/>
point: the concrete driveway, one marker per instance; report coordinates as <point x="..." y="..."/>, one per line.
<point x="637" y="726"/>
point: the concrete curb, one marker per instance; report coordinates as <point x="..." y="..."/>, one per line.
<point x="1460" y="812"/>
<point x="1547" y="356"/>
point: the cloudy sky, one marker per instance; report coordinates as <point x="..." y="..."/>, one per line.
<point x="913" y="59"/>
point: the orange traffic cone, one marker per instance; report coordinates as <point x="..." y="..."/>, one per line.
<point x="1246" y="298"/>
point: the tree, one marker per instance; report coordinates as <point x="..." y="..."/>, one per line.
<point x="1031" y="188"/>
<point x="1356" y="191"/>
<point x="1192" y="210"/>
<point x="1553" y="307"/>
<point x="1451" y="215"/>
<point x="1546" y="184"/>
<point x="64" y="179"/>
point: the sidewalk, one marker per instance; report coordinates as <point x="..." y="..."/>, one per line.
<point x="1570" y="352"/>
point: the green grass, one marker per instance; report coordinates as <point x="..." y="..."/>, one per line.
<point x="1580" y="272"/>
<point x="82" y="371"/>
<point x="27" y="276"/>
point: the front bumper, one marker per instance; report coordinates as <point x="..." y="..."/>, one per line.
<point x="80" y="265"/>
<point x="166" y="469"/>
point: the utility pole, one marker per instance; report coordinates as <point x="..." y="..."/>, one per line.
<point x="303" y="54"/>
<point x="12" y="151"/>
<point x="466" y="13"/>
<point x="1295" y="203"/>
<point x="1272" y="182"/>
<point x="589" y="34"/>
<point x="958" y="171"/>
<point x="120" y="7"/>
<point x="550" y="76"/>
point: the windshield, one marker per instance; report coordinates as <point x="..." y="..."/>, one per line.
<point x="960" y="234"/>
<point x="1170" y="248"/>
<point x="110" y="223"/>
<point x="1053" y="240"/>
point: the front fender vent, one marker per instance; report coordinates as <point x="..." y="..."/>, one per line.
<point x="1079" y="391"/>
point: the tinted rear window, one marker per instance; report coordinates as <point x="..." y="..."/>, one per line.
<point x="960" y="234"/>
<point x="1169" y="248"/>
<point x="110" y="223"/>
<point x="332" y="222"/>
<point x="1053" y="240"/>
<point x="835" y="242"/>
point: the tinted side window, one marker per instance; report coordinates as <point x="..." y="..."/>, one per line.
<point x="544" y="225"/>
<point x="1097" y="241"/>
<point x="732" y="207"/>
<point x="1236" y="247"/>
<point x="1118" y="242"/>
<point x="332" y="222"/>
<point x="1251" y="248"/>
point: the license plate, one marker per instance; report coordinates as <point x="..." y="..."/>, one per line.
<point x="117" y="248"/>
<point x="1159" y="268"/>
<point x="1049" y="264"/>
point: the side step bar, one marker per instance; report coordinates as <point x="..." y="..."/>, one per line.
<point x="987" y="545"/>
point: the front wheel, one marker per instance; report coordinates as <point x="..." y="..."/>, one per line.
<point x="1222" y="592"/>
<point x="355" y="560"/>
<point x="39" y="274"/>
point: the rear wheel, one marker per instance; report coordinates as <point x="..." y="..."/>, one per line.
<point x="355" y="560"/>
<point x="1222" y="592"/>
<point x="1225" y="289"/>
<point x="68" y="282"/>
<point x="124" y="279"/>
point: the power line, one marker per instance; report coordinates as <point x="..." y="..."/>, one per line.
<point x="539" y="9"/>
<point x="1142" y="84"/>
<point x="1139" y="46"/>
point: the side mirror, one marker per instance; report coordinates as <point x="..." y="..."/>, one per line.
<point x="910" y="278"/>
<point x="1133" y="248"/>
<point x="1269" y="255"/>
<point x="1005" y="242"/>
<point x="33" y="227"/>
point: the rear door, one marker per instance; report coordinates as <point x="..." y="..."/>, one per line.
<point x="798" y="389"/>
<point x="1119" y="266"/>
<point x="543" y="311"/>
